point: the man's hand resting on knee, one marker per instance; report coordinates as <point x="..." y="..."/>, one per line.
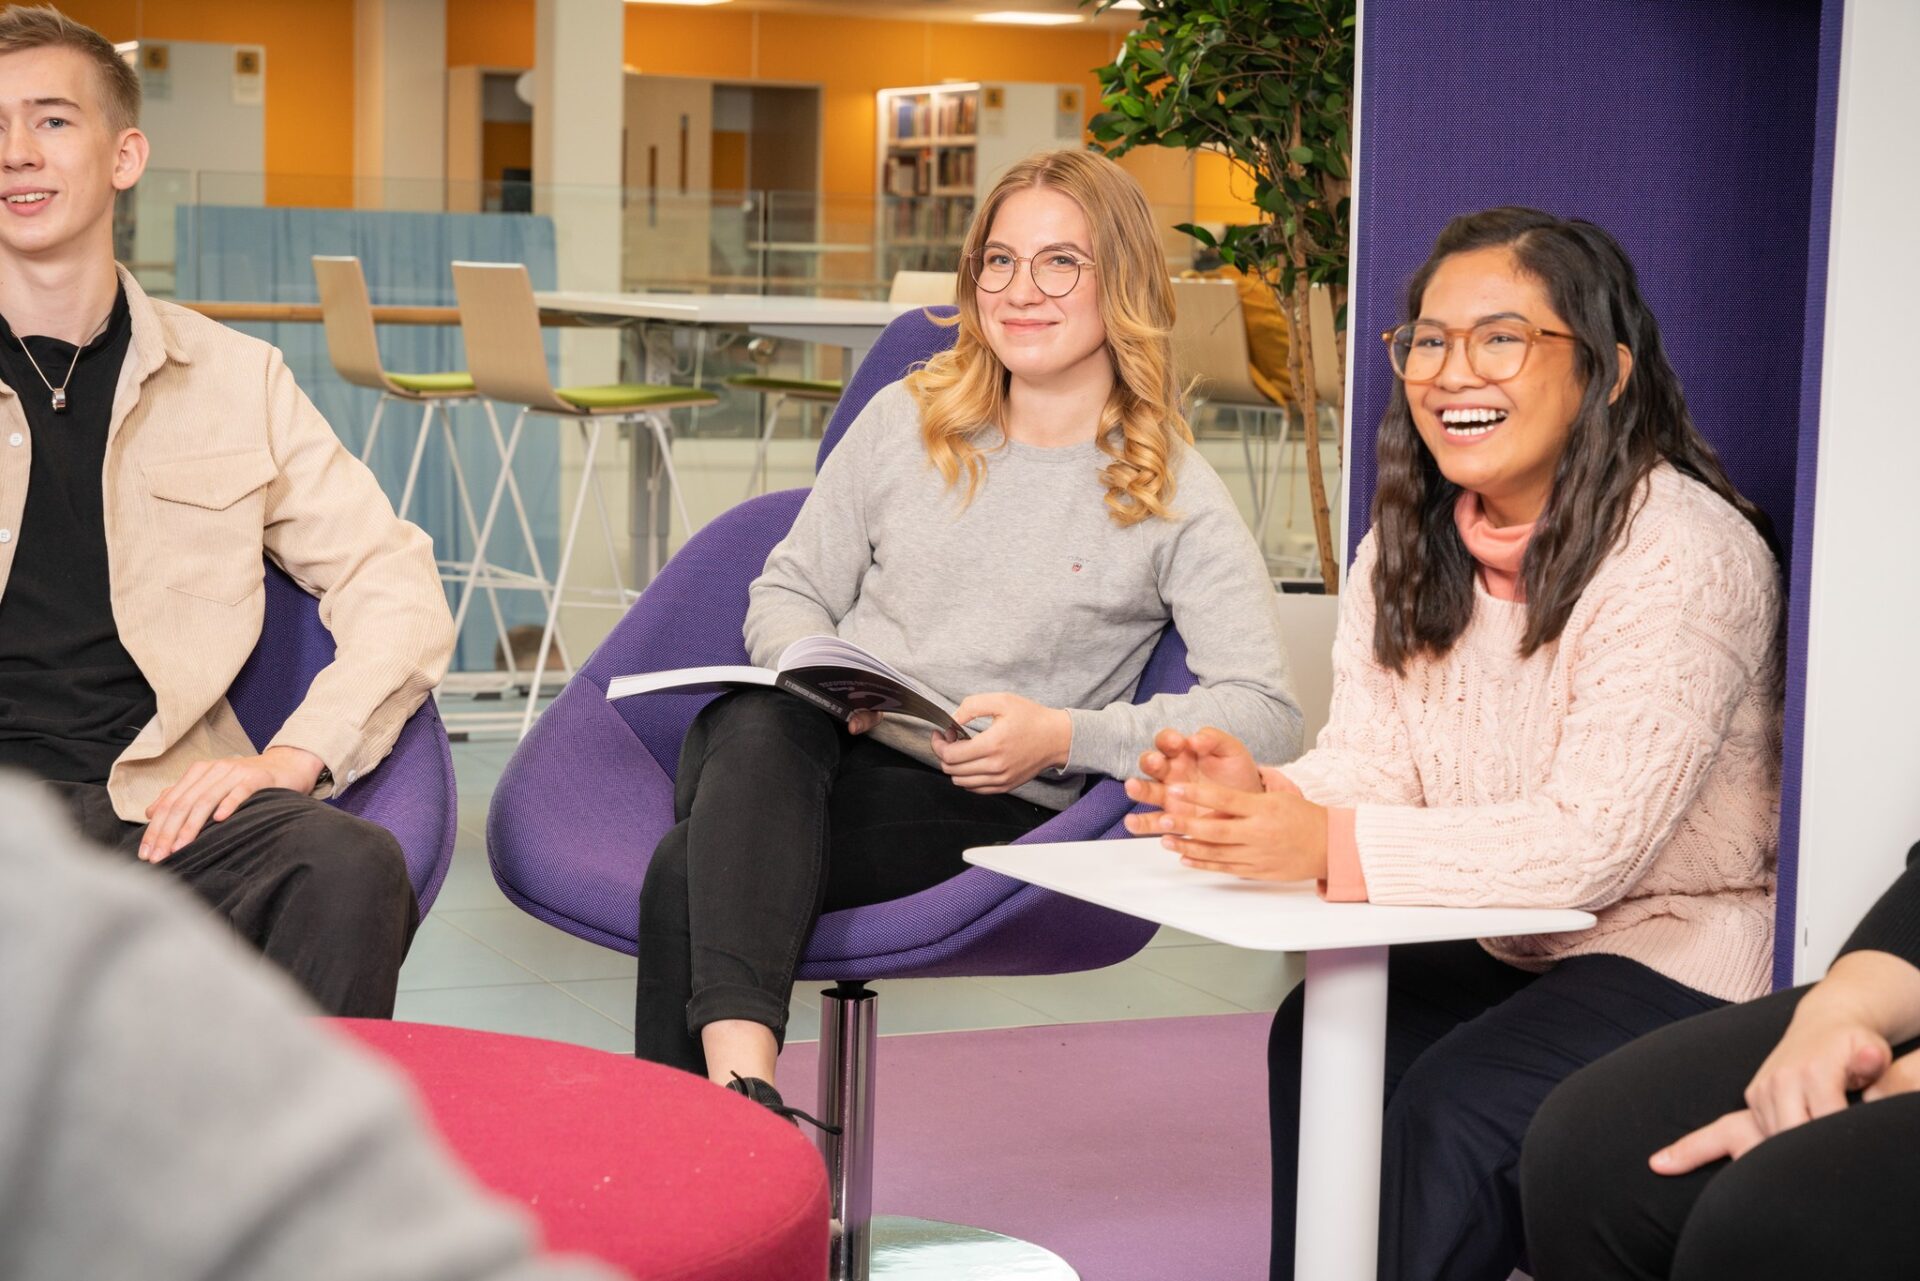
<point x="215" y="789"/>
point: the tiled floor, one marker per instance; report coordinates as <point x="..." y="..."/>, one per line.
<point x="480" y="962"/>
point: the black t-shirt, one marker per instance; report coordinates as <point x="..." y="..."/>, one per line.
<point x="71" y="697"/>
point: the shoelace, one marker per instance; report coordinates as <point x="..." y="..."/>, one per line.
<point x="781" y="1109"/>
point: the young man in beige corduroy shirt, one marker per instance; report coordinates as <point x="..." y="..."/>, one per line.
<point x="149" y="460"/>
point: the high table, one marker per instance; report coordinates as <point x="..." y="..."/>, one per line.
<point x="1343" y="1053"/>
<point x="852" y="324"/>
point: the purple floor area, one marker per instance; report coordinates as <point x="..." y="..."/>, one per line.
<point x="1135" y="1150"/>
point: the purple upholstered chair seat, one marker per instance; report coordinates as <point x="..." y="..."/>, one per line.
<point x="589" y="793"/>
<point x="411" y="794"/>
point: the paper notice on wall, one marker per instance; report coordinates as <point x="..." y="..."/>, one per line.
<point x="155" y="65"/>
<point x="249" y="75"/>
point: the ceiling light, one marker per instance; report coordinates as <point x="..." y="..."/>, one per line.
<point x="1126" y="4"/>
<point x="702" y="3"/>
<point x="1021" y="18"/>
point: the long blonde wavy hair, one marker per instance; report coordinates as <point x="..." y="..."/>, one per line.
<point x="963" y="391"/>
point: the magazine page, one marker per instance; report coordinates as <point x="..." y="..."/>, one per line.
<point x="688" y="680"/>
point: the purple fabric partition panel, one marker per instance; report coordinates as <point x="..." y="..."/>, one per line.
<point x="1699" y="134"/>
<point x="1826" y="104"/>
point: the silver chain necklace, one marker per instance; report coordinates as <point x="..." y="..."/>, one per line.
<point x="60" y="393"/>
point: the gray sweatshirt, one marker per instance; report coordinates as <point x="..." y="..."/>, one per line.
<point x="170" y="1109"/>
<point x="1031" y="589"/>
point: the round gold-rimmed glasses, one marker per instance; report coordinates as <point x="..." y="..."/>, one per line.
<point x="1496" y="349"/>
<point x="1055" y="271"/>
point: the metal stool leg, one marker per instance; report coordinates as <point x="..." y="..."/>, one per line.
<point x="861" y="1246"/>
<point x="413" y="468"/>
<point x="526" y="526"/>
<point x="473" y="531"/>
<point x="560" y="574"/>
<point x="761" y="467"/>
<point x="606" y="534"/>
<point x="373" y="428"/>
<point x="664" y="439"/>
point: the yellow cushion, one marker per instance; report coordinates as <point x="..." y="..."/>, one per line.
<point x="1269" y="341"/>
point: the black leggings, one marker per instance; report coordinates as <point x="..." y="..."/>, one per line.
<point x="1473" y="1046"/>
<point x="1833" y="1198"/>
<point x="783" y="815"/>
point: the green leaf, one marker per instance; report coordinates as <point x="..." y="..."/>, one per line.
<point x="1302" y="155"/>
<point x="1199" y="233"/>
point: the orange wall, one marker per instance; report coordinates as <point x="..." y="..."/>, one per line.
<point x="309" y="106"/>
<point x="1222" y="190"/>
<point x="309" y="43"/>
<point x="849" y="58"/>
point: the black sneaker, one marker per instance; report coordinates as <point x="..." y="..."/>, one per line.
<point x="766" y="1096"/>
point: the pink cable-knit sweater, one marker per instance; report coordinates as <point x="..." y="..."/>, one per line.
<point x="1631" y="768"/>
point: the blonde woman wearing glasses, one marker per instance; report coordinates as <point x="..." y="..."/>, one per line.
<point x="1014" y="525"/>
<point x="1557" y="684"/>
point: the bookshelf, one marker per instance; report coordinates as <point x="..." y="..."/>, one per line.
<point x="939" y="150"/>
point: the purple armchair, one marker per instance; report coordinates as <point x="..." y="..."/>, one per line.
<point x="590" y="791"/>
<point x="411" y="794"/>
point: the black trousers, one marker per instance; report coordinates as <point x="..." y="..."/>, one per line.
<point x="1832" y="1198"/>
<point x="1473" y="1047"/>
<point x="320" y="893"/>
<point x="783" y="815"/>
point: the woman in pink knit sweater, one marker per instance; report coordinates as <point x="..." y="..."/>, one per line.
<point x="1557" y="684"/>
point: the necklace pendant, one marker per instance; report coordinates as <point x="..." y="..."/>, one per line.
<point x="59" y="400"/>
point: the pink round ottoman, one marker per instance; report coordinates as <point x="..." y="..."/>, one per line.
<point x="650" y="1169"/>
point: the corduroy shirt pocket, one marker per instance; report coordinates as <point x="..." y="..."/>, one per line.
<point x="210" y="513"/>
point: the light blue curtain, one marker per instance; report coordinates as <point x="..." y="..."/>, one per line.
<point x="236" y="254"/>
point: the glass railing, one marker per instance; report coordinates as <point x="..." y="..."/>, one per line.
<point x="210" y="236"/>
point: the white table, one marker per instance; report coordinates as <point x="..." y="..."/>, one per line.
<point x="1343" y="1052"/>
<point x="852" y="324"/>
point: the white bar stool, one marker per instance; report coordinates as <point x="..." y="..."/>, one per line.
<point x="501" y="323"/>
<point x="347" y="314"/>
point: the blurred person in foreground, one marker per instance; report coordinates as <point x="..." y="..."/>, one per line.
<point x="169" y="1110"/>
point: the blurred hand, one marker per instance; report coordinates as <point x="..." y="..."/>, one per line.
<point x="1263" y="836"/>
<point x="213" y="790"/>
<point x="862" y="721"/>
<point x="1025" y="738"/>
<point x="1207" y="755"/>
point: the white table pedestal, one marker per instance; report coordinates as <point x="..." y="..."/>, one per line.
<point x="1343" y="1061"/>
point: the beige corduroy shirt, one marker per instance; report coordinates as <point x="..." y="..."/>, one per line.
<point x="216" y="459"/>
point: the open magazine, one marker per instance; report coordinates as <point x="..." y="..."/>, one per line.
<point x="834" y="675"/>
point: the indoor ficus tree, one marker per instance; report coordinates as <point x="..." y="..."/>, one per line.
<point x="1269" y="83"/>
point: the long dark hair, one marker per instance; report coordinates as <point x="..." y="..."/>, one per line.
<point x="1423" y="578"/>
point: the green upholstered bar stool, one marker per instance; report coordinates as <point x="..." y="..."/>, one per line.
<point x="929" y="288"/>
<point x="775" y="392"/>
<point x="347" y="314"/>
<point x="501" y="323"/>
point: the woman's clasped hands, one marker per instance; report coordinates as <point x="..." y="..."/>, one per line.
<point x="1221" y="813"/>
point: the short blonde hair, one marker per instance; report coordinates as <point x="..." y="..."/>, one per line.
<point x="24" y="27"/>
<point x="965" y="389"/>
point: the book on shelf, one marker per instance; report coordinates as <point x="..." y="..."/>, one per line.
<point x="906" y="174"/>
<point x="834" y="675"/>
<point x="912" y="118"/>
<point x="958" y="114"/>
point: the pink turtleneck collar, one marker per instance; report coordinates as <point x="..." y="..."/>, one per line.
<point x="1499" y="551"/>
